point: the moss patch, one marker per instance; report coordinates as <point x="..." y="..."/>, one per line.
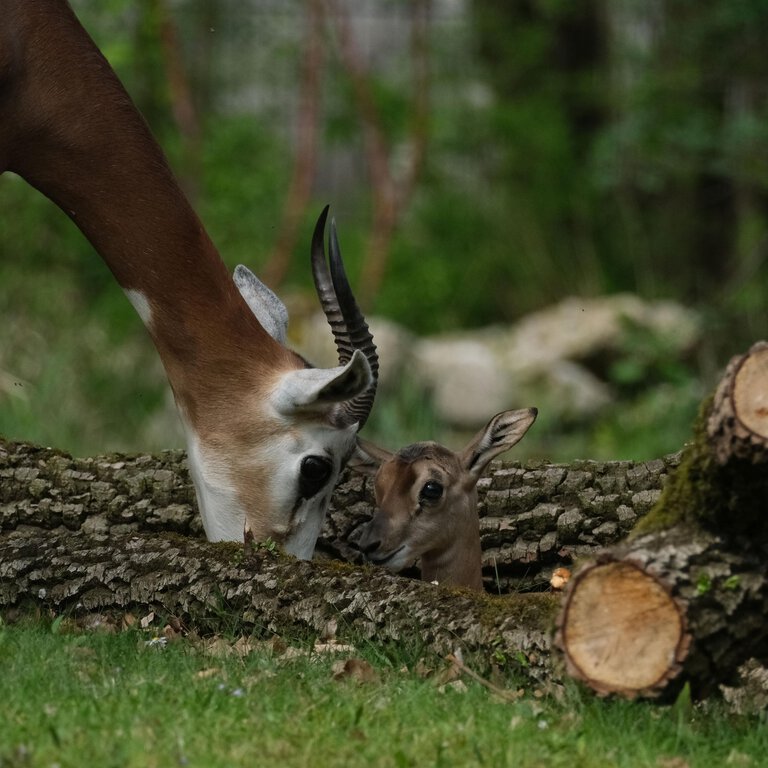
<point x="532" y="610"/>
<point x="727" y="499"/>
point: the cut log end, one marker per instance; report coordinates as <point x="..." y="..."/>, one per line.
<point x="738" y="423"/>
<point x="621" y="630"/>
<point x="750" y="391"/>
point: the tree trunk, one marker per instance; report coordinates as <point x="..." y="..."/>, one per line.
<point x="533" y="517"/>
<point x="305" y="148"/>
<point x="122" y="533"/>
<point x="214" y="587"/>
<point x="688" y="591"/>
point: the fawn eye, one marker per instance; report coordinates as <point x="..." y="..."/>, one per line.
<point x="431" y="491"/>
<point x="313" y="475"/>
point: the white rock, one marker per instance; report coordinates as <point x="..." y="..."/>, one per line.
<point x="465" y="377"/>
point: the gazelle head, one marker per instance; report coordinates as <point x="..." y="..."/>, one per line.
<point x="266" y="468"/>
<point x="426" y="501"/>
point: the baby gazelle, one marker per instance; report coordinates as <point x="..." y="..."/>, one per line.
<point x="426" y="501"/>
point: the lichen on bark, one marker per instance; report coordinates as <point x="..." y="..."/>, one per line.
<point x="533" y="517"/>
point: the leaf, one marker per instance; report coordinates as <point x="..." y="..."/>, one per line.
<point x="204" y="674"/>
<point x="355" y="669"/>
<point x="147" y="620"/>
<point x="128" y="621"/>
<point x="683" y="705"/>
<point x="332" y="647"/>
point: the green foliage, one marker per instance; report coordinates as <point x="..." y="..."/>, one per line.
<point x="244" y="177"/>
<point x="703" y="584"/>
<point x="638" y="157"/>
<point x="81" y="371"/>
<point x="565" y="155"/>
<point x="403" y="415"/>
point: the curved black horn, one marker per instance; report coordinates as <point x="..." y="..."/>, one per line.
<point x="327" y="294"/>
<point x="350" y="331"/>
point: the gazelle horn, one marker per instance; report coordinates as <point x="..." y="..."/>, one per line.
<point x="350" y="331"/>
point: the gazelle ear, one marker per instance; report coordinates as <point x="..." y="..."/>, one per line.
<point x="319" y="389"/>
<point x="264" y="303"/>
<point x="499" y="434"/>
<point x="368" y="457"/>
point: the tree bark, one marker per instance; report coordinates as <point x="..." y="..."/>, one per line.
<point x="46" y="488"/>
<point x="738" y="424"/>
<point x="534" y="517"/>
<point x="688" y="591"/>
<point x="121" y="533"/>
<point x="214" y="588"/>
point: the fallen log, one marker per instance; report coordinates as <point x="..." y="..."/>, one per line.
<point x="534" y="517"/>
<point x="216" y="588"/>
<point x="685" y="598"/>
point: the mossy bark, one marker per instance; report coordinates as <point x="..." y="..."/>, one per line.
<point x="719" y="591"/>
<point x="122" y="533"/>
<point x="534" y="516"/>
<point x="705" y="544"/>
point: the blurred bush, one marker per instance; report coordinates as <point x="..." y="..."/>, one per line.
<point x="571" y="148"/>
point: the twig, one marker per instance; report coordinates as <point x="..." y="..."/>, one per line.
<point x="455" y="659"/>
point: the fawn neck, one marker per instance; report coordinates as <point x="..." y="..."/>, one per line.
<point x="460" y="564"/>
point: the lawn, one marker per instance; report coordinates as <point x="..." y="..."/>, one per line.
<point x="92" y="698"/>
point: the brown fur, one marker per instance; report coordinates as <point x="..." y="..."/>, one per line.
<point x="443" y="532"/>
<point x="69" y="128"/>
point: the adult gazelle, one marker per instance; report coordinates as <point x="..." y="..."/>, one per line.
<point x="267" y="434"/>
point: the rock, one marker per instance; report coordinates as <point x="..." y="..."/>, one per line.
<point x="539" y="361"/>
<point x="465" y="377"/>
<point x="577" y="329"/>
<point x="567" y="390"/>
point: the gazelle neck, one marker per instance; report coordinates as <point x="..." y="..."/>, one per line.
<point x="69" y="128"/>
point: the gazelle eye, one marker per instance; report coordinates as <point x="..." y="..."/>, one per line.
<point x="431" y="491"/>
<point x="313" y="475"/>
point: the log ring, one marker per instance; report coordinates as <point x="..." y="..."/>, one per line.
<point x="621" y="630"/>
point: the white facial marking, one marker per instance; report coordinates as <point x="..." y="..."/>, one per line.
<point x="305" y="517"/>
<point x="301" y="543"/>
<point x="141" y="305"/>
<point x="296" y="522"/>
<point x="399" y="559"/>
<point x="223" y="516"/>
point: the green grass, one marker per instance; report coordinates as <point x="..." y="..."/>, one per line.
<point x="113" y="700"/>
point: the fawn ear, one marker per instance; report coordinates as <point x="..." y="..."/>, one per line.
<point x="499" y="435"/>
<point x="368" y="457"/>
